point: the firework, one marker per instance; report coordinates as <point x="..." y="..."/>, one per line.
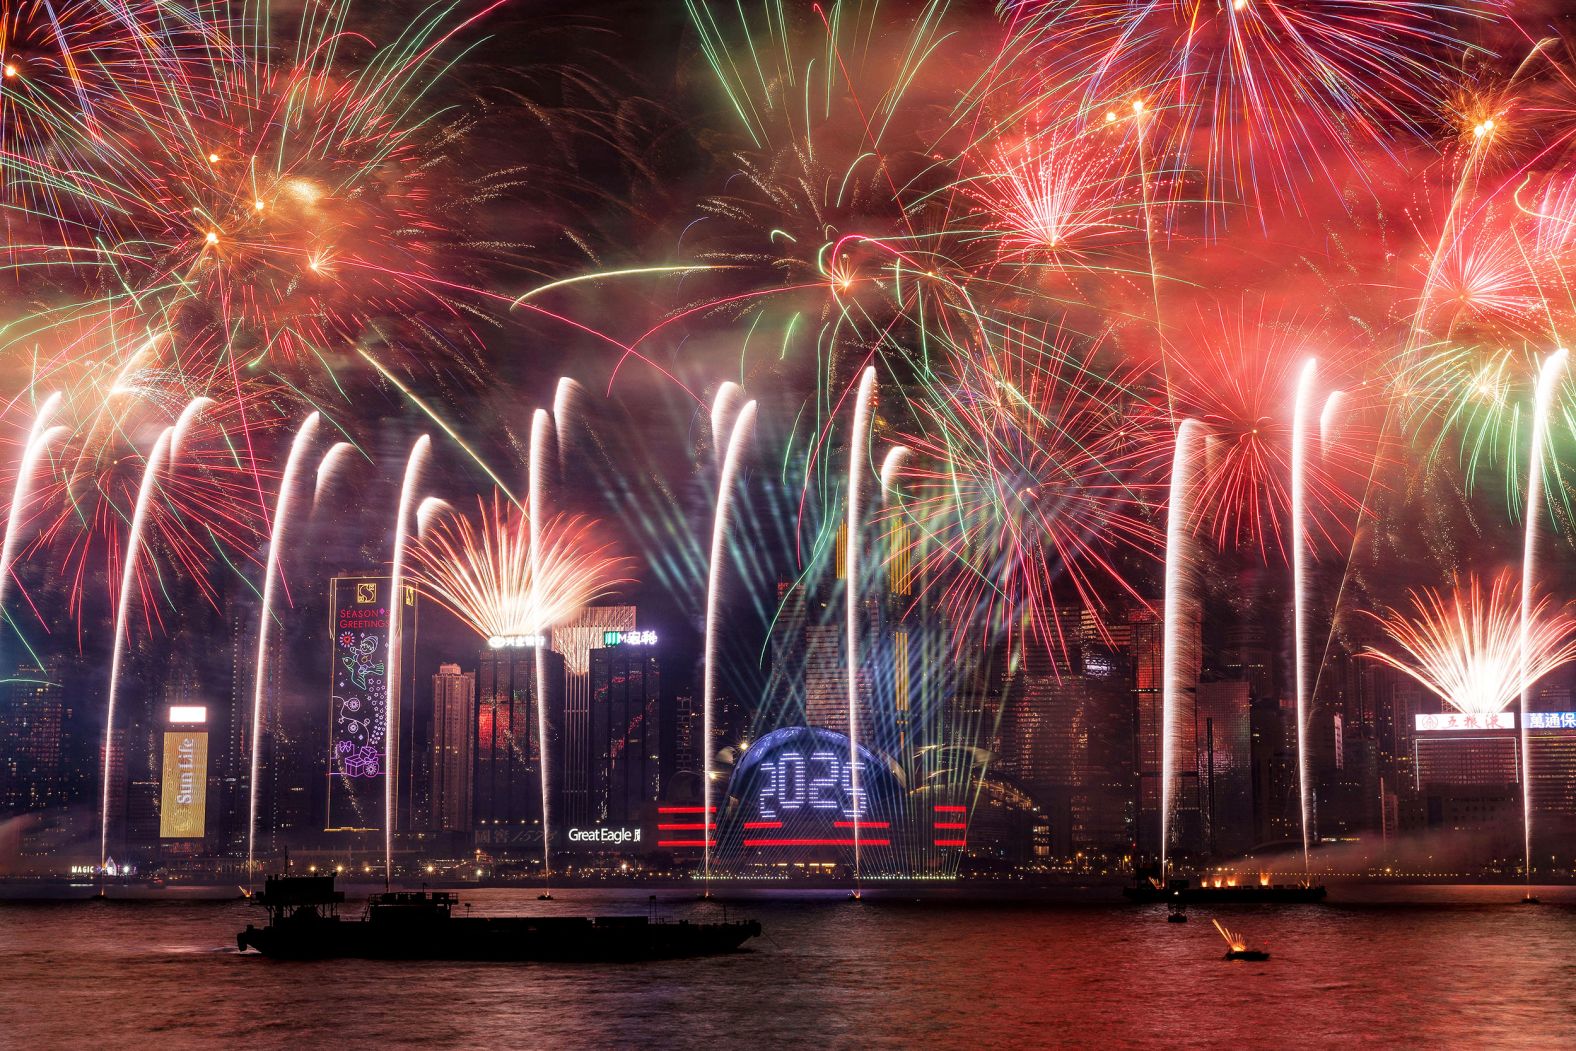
<point x="1020" y="485"/>
<point x="1467" y="648"/>
<point x="1252" y="92"/>
<point x="481" y="569"/>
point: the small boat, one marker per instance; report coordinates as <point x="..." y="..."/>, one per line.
<point x="1237" y="945"/>
<point x="1178" y="914"/>
<point x="304" y="924"/>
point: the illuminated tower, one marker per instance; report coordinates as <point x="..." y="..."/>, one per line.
<point x="32" y="766"/>
<point x="626" y="728"/>
<point x="507" y="799"/>
<point x="452" y="749"/>
<point x="574" y="640"/>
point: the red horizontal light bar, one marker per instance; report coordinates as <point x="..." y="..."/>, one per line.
<point x="763" y="824"/>
<point x="952" y="809"/>
<point x="952" y="842"/>
<point x="681" y="842"/>
<point x="862" y="824"/>
<point x="815" y="842"/>
<point x="684" y="810"/>
<point x="939" y="824"/>
<point x="686" y="827"/>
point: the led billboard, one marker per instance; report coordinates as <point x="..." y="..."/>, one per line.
<point x="794" y="788"/>
<point x="1551" y="720"/>
<point x="184" y="789"/>
<point x="358" y="706"/>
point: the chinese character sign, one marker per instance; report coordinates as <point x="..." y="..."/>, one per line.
<point x="1429" y="723"/>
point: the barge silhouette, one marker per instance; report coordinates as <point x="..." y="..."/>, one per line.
<point x="1178" y="892"/>
<point x="304" y="924"/>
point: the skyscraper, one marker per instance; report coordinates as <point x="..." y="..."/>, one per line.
<point x="32" y="746"/>
<point x="508" y="795"/>
<point x="574" y="640"/>
<point x="1225" y="765"/>
<point x="1148" y="657"/>
<point x="452" y="749"/>
<point x="626" y="731"/>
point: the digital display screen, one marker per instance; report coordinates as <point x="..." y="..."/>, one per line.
<point x="183" y="797"/>
<point x="795" y="791"/>
<point x="358" y="711"/>
<point x="1466" y="721"/>
<point x="1551" y="720"/>
<point x="822" y="780"/>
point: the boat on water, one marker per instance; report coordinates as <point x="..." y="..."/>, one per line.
<point x="1185" y="892"/>
<point x="1237" y="946"/>
<point x="304" y="924"/>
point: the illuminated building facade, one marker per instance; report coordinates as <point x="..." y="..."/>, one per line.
<point x="625" y="762"/>
<point x="1468" y="778"/>
<point x="32" y="742"/>
<point x="452" y="750"/>
<point x="359" y="719"/>
<point x="507" y="798"/>
<point x="1551" y="764"/>
<point x="573" y="641"/>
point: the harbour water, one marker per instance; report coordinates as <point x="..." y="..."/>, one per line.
<point x="1429" y="966"/>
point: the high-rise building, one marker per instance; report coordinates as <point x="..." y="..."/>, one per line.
<point x="1246" y="655"/>
<point x="1148" y="663"/>
<point x="452" y="750"/>
<point x="1551" y="764"/>
<point x="32" y="744"/>
<point x="507" y="799"/>
<point x="1468" y="779"/>
<point x="625" y="760"/>
<point x="1276" y="807"/>
<point x="825" y="684"/>
<point x="1225" y="765"/>
<point x="574" y="640"/>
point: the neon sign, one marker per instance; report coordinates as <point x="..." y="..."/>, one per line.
<point x="602" y="836"/>
<point x="515" y="642"/>
<point x="1551" y="720"/>
<point x="1465" y="721"/>
<point x="629" y="638"/>
<point x="819" y="782"/>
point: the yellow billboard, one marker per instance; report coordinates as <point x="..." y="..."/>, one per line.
<point x="184" y="800"/>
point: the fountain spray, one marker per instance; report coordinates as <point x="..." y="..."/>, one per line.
<point x="38" y="439"/>
<point x="282" y="506"/>
<point x="419" y="453"/>
<point x="128" y="575"/>
<point x="1548" y="379"/>
<point x="743" y="424"/>
<point x="164" y="452"/>
<point x="1178" y="557"/>
<point x="858" y="443"/>
<point x="1299" y="574"/>
<point x="327" y="468"/>
<point x="542" y="433"/>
